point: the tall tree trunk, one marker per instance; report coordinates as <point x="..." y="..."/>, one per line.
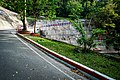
<point x="24" y="17"/>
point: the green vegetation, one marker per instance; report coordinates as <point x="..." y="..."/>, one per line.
<point x="84" y="40"/>
<point x="105" y="14"/>
<point x="93" y="60"/>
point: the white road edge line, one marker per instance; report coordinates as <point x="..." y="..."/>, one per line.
<point x="44" y="58"/>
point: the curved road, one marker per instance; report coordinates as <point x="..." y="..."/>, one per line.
<point x="20" y="60"/>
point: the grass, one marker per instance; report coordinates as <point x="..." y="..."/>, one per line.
<point x="93" y="60"/>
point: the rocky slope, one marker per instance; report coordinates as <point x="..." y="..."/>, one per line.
<point x="8" y="19"/>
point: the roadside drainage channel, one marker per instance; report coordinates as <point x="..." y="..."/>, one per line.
<point x="84" y="69"/>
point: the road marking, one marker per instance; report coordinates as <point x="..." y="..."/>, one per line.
<point x="43" y="58"/>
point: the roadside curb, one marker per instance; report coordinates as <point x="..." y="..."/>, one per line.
<point x="69" y="61"/>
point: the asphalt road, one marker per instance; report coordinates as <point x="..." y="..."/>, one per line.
<point x="20" y="60"/>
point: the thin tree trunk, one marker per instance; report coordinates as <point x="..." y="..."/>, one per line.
<point x="24" y="25"/>
<point x="35" y="25"/>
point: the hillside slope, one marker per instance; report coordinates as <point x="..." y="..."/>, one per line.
<point x="8" y="19"/>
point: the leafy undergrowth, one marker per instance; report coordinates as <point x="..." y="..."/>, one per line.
<point x="93" y="60"/>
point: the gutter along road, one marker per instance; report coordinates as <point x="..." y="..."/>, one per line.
<point x="20" y="60"/>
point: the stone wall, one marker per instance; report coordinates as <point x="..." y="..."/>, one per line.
<point x="60" y="30"/>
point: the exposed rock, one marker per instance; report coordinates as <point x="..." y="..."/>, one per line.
<point x="8" y="19"/>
